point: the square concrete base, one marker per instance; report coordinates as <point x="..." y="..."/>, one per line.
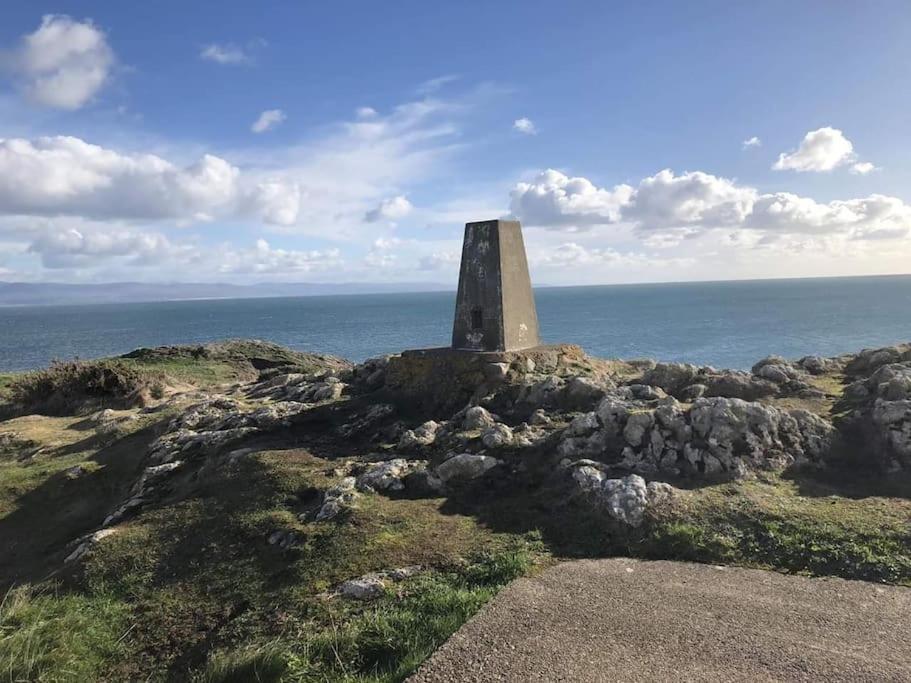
<point x="444" y="379"/>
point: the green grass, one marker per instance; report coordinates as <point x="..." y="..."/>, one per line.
<point x="65" y="637"/>
<point x="74" y="387"/>
<point x="6" y="379"/>
<point x="384" y="641"/>
<point x="201" y="373"/>
<point x="200" y="577"/>
<point x="775" y="524"/>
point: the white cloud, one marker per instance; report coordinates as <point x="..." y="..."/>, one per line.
<point x="66" y="176"/>
<point x="325" y="187"/>
<point x="666" y="208"/>
<point x="264" y="259"/>
<point x="572" y="255"/>
<point x="224" y="54"/>
<point x="75" y="244"/>
<point x="752" y="142"/>
<point x="525" y="126"/>
<point x="439" y="260"/>
<point x="432" y="85"/>
<point x="554" y="199"/>
<point x="75" y="248"/>
<point x="390" y="210"/>
<point x="821" y="150"/>
<point x="365" y="112"/>
<point x="268" y="120"/>
<point x="665" y="200"/>
<point x="863" y="168"/>
<point x="64" y="63"/>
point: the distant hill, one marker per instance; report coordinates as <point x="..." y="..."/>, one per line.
<point x="40" y="293"/>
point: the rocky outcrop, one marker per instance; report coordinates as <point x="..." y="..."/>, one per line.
<point x="868" y="361"/>
<point x="880" y="419"/>
<point x="205" y="428"/>
<point x="626" y="499"/>
<point x="419" y="437"/>
<point x="299" y="387"/>
<point x="714" y="436"/>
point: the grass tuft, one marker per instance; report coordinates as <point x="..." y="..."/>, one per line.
<point x="46" y="637"/>
<point x="74" y="387"/>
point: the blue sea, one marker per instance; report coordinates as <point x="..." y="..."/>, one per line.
<point x="725" y="324"/>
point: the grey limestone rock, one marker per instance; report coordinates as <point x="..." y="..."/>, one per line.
<point x="465" y="467"/>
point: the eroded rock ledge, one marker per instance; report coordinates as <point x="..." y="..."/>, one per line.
<point x="622" y="437"/>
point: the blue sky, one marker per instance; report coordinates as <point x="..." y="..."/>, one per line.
<point x="350" y="141"/>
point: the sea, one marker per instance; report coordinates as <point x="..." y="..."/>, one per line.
<point x="724" y="324"/>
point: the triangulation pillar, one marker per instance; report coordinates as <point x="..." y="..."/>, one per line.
<point x="495" y="307"/>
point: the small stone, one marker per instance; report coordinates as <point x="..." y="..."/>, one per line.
<point x="477" y="417"/>
<point x="367" y="587"/>
<point x="539" y="417"/>
<point x="498" y="436"/>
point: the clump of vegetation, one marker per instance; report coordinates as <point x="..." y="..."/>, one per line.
<point x="773" y="524"/>
<point x="74" y="387"/>
<point x="47" y="637"/>
<point x="230" y="361"/>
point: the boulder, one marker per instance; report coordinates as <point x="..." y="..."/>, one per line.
<point x="625" y="499"/>
<point x="497" y="436"/>
<point x="367" y="587"/>
<point x="671" y="377"/>
<point x="692" y="392"/>
<point x="337" y="499"/>
<point x="476" y="418"/>
<point x="420" y="436"/>
<point x="387" y="475"/>
<point x="465" y="467"/>
<point x="581" y="393"/>
<point x="736" y="384"/>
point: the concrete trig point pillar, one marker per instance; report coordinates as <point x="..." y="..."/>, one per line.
<point x="495" y="307"/>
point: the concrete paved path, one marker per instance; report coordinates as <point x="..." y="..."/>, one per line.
<point x="628" y="620"/>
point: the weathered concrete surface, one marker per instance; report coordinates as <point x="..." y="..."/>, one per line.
<point x="495" y="306"/>
<point x="628" y="620"/>
<point x="442" y="379"/>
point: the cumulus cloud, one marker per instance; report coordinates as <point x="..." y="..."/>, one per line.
<point x="268" y="120"/>
<point x="665" y="200"/>
<point x="666" y="208"/>
<point x="264" y="259"/>
<point x="67" y="176"/>
<point x="224" y="54"/>
<point x="389" y="210"/>
<point x="326" y="187"/>
<point x="74" y="248"/>
<point x="525" y="126"/>
<point x="823" y="149"/>
<point x="752" y="142"/>
<point x="64" y="63"/>
<point x="574" y="255"/>
<point x="863" y="168"/>
<point x="554" y="199"/>
<point x="365" y="112"/>
<point x="84" y="245"/>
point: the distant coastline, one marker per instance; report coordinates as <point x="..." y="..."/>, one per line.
<point x="18" y="294"/>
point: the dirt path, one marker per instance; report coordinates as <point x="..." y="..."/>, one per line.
<point x="627" y="620"/>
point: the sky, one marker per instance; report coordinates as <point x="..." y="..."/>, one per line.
<point x="351" y="141"/>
